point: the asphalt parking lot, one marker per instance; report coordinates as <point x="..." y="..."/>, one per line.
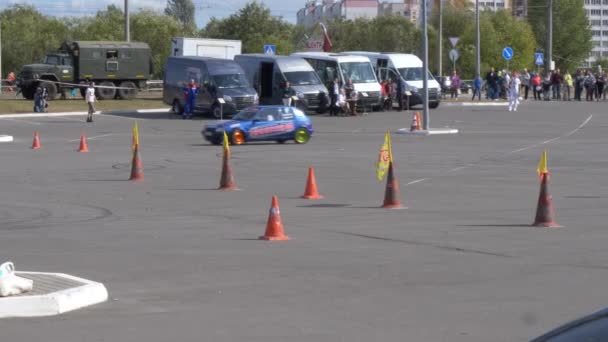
<point x="182" y="262"/>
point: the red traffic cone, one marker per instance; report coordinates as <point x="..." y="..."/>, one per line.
<point x="274" y="226"/>
<point x="227" y="182"/>
<point x="83" y="144"/>
<point x="137" y="168"/>
<point x="391" y="194"/>
<point x="415" y="126"/>
<point x="36" y="143"/>
<point x="311" y="191"/>
<point x="544" y="210"/>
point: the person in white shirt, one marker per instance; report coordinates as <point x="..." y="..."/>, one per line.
<point x="89" y="98"/>
<point x="514" y="86"/>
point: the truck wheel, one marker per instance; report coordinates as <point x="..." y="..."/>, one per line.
<point x="28" y="93"/>
<point x="127" y="94"/>
<point x="434" y="105"/>
<point x="176" y="107"/>
<point x="51" y="89"/>
<point x="108" y="91"/>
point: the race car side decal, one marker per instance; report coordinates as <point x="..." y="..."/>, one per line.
<point x="277" y="128"/>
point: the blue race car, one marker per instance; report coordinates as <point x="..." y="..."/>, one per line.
<point x="257" y="123"/>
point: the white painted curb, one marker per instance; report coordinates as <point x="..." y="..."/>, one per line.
<point x="434" y="131"/>
<point x="54" y="303"/>
<point x="6" y="138"/>
<point x="475" y="104"/>
<point x="44" y="115"/>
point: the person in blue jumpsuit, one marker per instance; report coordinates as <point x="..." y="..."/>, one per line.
<point x="190" y="93"/>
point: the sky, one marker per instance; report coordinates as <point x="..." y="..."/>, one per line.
<point x="205" y="9"/>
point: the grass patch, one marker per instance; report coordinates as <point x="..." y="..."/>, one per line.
<point x="9" y="106"/>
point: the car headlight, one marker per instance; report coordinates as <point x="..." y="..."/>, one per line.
<point x="413" y="89"/>
<point x="256" y="98"/>
<point x="227" y="98"/>
<point x="300" y="95"/>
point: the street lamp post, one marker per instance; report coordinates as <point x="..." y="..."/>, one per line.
<point x="440" y="45"/>
<point x="425" y="67"/>
<point x="549" y="36"/>
<point x="127" y="29"/>
<point x="477" y="46"/>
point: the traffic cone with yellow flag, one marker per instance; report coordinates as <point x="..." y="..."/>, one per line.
<point x="384" y="157"/>
<point x="391" y="194"/>
<point x="227" y="182"/>
<point x="384" y="165"/>
<point x="137" y="167"/>
<point x="544" y="211"/>
<point x="135" y="135"/>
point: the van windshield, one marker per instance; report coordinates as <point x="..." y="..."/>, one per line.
<point x="300" y="78"/>
<point x="230" y="81"/>
<point x="413" y="74"/>
<point x="358" y="72"/>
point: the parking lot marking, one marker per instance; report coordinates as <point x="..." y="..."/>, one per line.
<point x="93" y="137"/>
<point x="23" y="121"/>
<point x="583" y="124"/>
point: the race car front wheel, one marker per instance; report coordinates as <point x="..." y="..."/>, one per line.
<point x="237" y="137"/>
<point x="301" y="136"/>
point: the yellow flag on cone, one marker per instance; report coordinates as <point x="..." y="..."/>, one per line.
<point x="226" y="144"/>
<point x="542" y="164"/>
<point x="384" y="157"/>
<point x="135" y="135"/>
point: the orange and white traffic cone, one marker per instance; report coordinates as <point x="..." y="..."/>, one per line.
<point x="137" y="168"/>
<point x="415" y="126"/>
<point x="274" y="226"/>
<point x="36" y="143"/>
<point x="311" y="191"/>
<point x="83" y="148"/>
<point x="391" y="194"/>
<point x="227" y="182"/>
<point x="544" y="210"/>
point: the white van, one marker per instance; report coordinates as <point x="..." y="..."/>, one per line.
<point x="407" y="67"/>
<point x="343" y="66"/>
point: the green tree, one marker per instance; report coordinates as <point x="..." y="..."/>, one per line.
<point x="27" y="35"/>
<point x="254" y="26"/>
<point x="183" y="11"/>
<point x="105" y="25"/>
<point x="156" y="30"/>
<point x="571" y="31"/>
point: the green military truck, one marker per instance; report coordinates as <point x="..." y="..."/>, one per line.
<point x="118" y="69"/>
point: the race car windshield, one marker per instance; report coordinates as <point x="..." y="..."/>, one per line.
<point x="358" y="72"/>
<point x="230" y="81"/>
<point x="298" y="78"/>
<point x="245" y="115"/>
<point x="413" y="74"/>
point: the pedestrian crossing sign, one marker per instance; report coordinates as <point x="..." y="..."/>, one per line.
<point x="539" y="58"/>
<point x="270" y="49"/>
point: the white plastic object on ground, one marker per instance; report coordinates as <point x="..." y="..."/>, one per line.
<point x="11" y="284"/>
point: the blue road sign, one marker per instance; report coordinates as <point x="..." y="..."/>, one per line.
<point x="507" y="53"/>
<point x="270" y="49"/>
<point x="539" y="58"/>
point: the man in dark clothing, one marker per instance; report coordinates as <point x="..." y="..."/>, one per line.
<point x="492" y="84"/>
<point x="401" y="96"/>
<point x="556" y="83"/>
<point x="578" y="84"/>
